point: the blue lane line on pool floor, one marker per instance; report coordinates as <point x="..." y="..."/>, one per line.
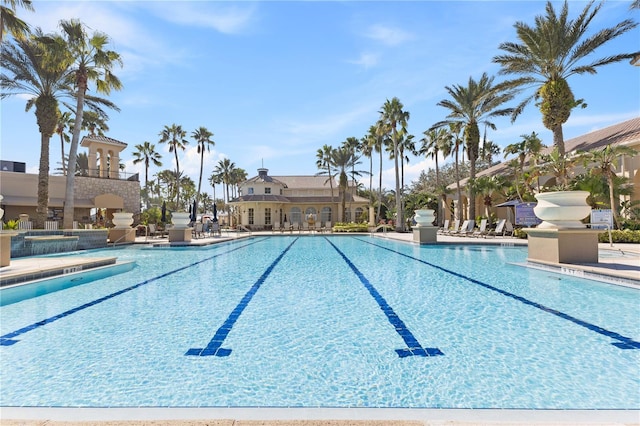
<point x="414" y="348"/>
<point x="8" y="339"/>
<point x="623" y="342"/>
<point x="214" y="348"/>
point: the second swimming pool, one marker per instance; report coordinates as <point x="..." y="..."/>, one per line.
<point x="324" y="322"/>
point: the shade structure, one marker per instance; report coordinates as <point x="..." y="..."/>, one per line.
<point x="163" y="216"/>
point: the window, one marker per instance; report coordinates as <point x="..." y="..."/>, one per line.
<point x="267" y="190"/>
<point x="325" y="215"/>
<point x="296" y="215"/>
<point x="250" y="216"/>
<point x="250" y="191"/>
<point x="280" y="191"/>
<point x="267" y="216"/>
<point x="359" y="214"/>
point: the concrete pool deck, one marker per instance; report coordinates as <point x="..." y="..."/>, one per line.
<point x="620" y="259"/>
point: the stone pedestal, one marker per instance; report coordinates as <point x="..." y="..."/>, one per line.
<point x="180" y="234"/>
<point x="122" y="235"/>
<point x="563" y="245"/>
<point x="425" y="234"/>
<point x="5" y="248"/>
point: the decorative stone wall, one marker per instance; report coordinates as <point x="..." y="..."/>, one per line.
<point x="90" y="187"/>
<point x="38" y="241"/>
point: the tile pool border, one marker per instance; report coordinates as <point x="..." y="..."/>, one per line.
<point x="497" y="416"/>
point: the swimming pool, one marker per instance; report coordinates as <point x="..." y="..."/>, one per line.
<point x="325" y="321"/>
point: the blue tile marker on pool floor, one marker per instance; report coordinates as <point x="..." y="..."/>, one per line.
<point x="414" y="348"/>
<point x="215" y="344"/>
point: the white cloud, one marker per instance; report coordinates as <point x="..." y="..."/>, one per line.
<point x="387" y="35"/>
<point x="220" y="16"/>
<point x="366" y="60"/>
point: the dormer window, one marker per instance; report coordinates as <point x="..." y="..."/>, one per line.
<point x="250" y="191"/>
<point x="267" y="190"/>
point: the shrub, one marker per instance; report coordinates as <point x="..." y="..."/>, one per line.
<point x="350" y="227"/>
<point x="625" y="236"/>
<point x="11" y="224"/>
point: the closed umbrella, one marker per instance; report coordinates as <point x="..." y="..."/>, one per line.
<point x="215" y="212"/>
<point x="163" y="216"/>
<point x="193" y="212"/>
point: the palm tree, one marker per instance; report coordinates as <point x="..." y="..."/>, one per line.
<point x="434" y="141"/>
<point x="341" y="159"/>
<point x="224" y="169"/>
<point x="91" y="63"/>
<point x="530" y="145"/>
<point x="456" y="144"/>
<point x="393" y="115"/>
<point x="174" y="136"/>
<point x="146" y="153"/>
<point x="376" y="138"/>
<point x="93" y="121"/>
<point x="323" y="161"/>
<point x="550" y="52"/>
<point x="10" y="22"/>
<point x="203" y="140"/>
<point x="64" y="122"/>
<point x="487" y="185"/>
<point x="238" y="175"/>
<point x="214" y="180"/>
<point x="604" y="162"/>
<point x="367" y="145"/>
<point x="82" y="164"/>
<point x="471" y="105"/>
<point x="36" y="67"/>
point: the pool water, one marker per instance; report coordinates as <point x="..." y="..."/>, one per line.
<point x="324" y="321"/>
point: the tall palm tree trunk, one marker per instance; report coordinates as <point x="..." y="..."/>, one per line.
<point x="69" y="200"/>
<point x="380" y="187"/>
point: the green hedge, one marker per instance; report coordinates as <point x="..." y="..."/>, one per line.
<point x="624" y="236"/>
<point x="350" y="227"/>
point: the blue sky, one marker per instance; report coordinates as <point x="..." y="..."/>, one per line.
<point x="275" y="81"/>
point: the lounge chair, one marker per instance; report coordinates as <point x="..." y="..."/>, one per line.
<point x="295" y="226"/>
<point x="508" y="229"/>
<point x="276" y="227"/>
<point x="499" y="230"/>
<point x="482" y="231"/>
<point x="462" y="230"/>
<point x="198" y="230"/>
<point x="445" y="227"/>
<point x="469" y="230"/>
<point x="328" y="227"/>
<point x="305" y="227"/>
<point x="318" y="226"/>
<point x="286" y="227"/>
<point x="152" y="229"/>
<point x="215" y="229"/>
<point x="454" y="228"/>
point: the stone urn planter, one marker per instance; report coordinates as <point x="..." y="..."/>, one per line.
<point x="424" y="217"/>
<point x="562" y="209"/>
<point x="180" y="220"/>
<point x="122" y="220"/>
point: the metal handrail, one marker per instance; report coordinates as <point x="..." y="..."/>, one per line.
<point x="608" y="230"/>
<point x="123" y="236"/>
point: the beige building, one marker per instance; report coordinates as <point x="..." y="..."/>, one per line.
<point x="264" y="200"/>
<point x="626" y="133"/>
<point x="102" y="189"/>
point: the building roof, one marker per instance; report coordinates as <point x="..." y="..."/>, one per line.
<point x="306" y="182"/>
<point x="102" y="139"/>
<point x="625" y="133"/>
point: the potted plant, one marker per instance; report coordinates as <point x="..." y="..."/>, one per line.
<point x="559" y="206"/>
